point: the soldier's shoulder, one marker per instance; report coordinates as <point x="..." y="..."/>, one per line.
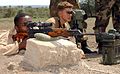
<point x="52" y="19"/>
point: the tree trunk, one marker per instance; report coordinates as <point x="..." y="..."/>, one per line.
<point x="53" y="6"/>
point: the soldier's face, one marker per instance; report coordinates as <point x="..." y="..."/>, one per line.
<point x="66" y="14"/>
<point x="22" y="24"/>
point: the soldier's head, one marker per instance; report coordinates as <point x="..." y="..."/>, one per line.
<point x="20" y="22"/>
<point x="65" y="11"/>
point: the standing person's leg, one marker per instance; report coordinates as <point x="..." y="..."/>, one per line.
<point x="103" y="10"/>
<point x="116" y="15"/>
<point x="84" y="45"/>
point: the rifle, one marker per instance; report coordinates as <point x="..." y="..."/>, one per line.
<point x="38" y="27"/>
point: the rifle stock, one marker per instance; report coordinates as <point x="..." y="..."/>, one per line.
<point x="53" y="32"/>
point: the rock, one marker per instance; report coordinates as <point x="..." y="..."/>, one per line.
<point x="41" y="54"/>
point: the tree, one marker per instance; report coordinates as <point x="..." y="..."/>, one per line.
<point x="88" y="6"/>
<point x="9" y="12"/>
<point x="53" y="6"/>
<point x="20" y="11"/>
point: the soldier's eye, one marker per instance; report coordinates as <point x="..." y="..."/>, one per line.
<point x="26" y="23"/>
<point x="69" y="12"/>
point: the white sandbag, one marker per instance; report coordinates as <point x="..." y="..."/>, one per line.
<point x="41" y="54"/>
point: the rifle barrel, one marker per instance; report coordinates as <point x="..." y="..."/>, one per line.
<point x="90" y="33"/>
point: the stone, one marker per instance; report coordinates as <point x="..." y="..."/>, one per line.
<point x="41" y="54"/>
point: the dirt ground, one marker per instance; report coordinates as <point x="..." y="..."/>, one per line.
<point x="90" y="65"/>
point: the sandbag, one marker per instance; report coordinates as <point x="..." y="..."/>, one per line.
<point x="45" y="37"/>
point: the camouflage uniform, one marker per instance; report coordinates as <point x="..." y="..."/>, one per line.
<point x="103" y="11"/>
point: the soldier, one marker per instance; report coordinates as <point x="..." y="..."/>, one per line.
<point x="64" y="16"/>
<point x="54" y="3"/>
<point x="20" y="22"/>
<point x="12" y="45"/>
<point x="103" y="11"/>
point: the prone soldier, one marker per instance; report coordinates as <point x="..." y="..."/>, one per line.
<point x="65" y="4"/>
<point x="21" y="35"/>
<point x="14" y="41"/>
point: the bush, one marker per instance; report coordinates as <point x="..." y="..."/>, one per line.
<point x="7" y="12"/>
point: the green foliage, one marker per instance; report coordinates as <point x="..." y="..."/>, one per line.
<point x="43" y="12"/>
<point x="20" y="11"/>
<point x="7" y="12"/>
<point x="88" y="6"/>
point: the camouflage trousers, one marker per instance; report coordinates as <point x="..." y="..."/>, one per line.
<point x="103" y="13"/>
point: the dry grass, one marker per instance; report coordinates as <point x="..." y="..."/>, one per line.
<point x="6" y="23"/>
